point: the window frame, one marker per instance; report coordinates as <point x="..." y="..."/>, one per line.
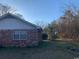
<point x="19" y="33"/>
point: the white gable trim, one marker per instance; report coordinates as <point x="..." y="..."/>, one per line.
<point x="13" y="23"/>
<point x="17" y="18"/>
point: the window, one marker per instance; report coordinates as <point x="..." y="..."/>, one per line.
<point x="19" y="35"/>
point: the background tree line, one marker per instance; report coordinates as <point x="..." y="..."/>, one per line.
<point x="66" y="27"/>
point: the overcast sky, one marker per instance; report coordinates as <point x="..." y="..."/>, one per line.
<point x="36" y="11"/>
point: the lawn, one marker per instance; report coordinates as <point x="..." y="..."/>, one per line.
<point x="46" y="50"/>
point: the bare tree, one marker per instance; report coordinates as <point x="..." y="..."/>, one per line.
<point x="68" y="25"/>
<point x="41" y="24"/>
<point x="6" y="9"/>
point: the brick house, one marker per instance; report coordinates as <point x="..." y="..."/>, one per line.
<point x="15" y="31"/>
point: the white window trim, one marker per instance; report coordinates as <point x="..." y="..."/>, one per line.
<point x="19" y="33"/>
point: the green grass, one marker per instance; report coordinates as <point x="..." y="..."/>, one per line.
<point x="44" y="44"/>
<point x="67" y="45"/>
<point x="44" y="51"/>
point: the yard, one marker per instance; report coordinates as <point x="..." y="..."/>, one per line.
<point x="46" y="50"/>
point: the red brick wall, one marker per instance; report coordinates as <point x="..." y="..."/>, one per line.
<point x="6" y="39"/>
